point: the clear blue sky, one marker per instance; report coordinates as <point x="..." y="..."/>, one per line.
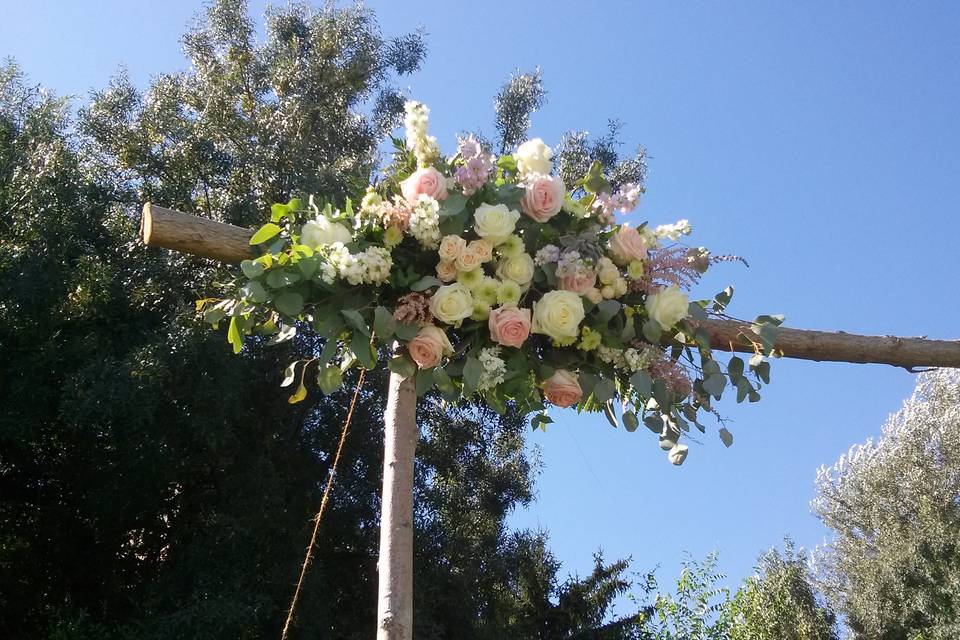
<point x="820" y="140"/>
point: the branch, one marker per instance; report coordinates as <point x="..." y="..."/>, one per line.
<point x="206" y="238"/>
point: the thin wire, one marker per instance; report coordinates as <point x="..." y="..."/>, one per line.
<point x="323" y="507"/>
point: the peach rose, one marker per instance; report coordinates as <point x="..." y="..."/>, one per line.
<point x="429" y="346"/>
<point x="469" y="260"/>
<point x="509" y="325"/>
<point x="627" y="244"/>
<point x="447" y="271"/>
<point x="427" y="181"/>
<point x="483" y="248"/>
<point x="562" y="388"/>
<point x="451" y="247"/>
<point x="543" y="198"/>
<point x="581" y="284"/>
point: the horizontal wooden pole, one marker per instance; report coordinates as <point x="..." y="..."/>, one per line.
<point x="219" y="241"/>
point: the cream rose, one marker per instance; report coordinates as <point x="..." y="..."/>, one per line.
<point x="495" y="223"/>
<point x="509" y="326"/>
<point x="628" y="244"/>
<point x="562" y="388"/>
<point x="580" y="284"/>
<point x="534" y="157"/>
<point x="447" y="271"/>
<point x="518" y="268"/>
<point x="429" y="346"/>
<point x="451" y="247"/>
<point x="483" y="248"/>
<point x="426" y="181"/>
<point x="451" y="303"/>
<point x="558" y="314"/>
<point x="668" y="306"/>
<point x="543" y="198"/>
<point x="469" y="260"/>
<point x="322" y="231"/>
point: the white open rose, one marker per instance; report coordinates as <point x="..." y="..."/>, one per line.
<point x="534" y="157"/>
<point x="495" y="223"/>
<point x="558" y="314"/>
<point x="452" y="303"/>
<point x="668" y="306"/>
<point x="322" y="231"/>
<point x="518" y="268"/>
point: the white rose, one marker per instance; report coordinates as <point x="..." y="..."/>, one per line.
<point x="324" y="232"/>
<point x="495" y="222"/>
<point x="668" y="307"/>
<point x="451" y="303"/>
<point x="534" y="157"/>
<point x="518" y="268"/>
<point x="558" y="314"/>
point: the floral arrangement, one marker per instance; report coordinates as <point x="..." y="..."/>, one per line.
<point x="491" y="279"/>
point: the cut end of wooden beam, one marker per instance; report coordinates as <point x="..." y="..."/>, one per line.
<point x="146" y="224"/>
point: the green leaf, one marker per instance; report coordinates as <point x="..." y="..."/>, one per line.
<point x="402" y="366"/>
<point x="289" y="303"/>
<point x="290" y="374"/>
<point x="384" y="323"/>
<point x="254" y="291"/>
<point x="610" y="414"/>
<point x="652" y="331"/>
<point x="661" y="394"/>
<point x="726" y="437"/>
<point x="279" y="278"/>
<point x="472" y="372"/>
<point x="233" y="335"/>
<point x="507" y="163"/>
<point x="642" y="382"/>
<point x="424" y="381"/>
<point x="604" y="391"/>
<point x="722" y="299"/>
<point x="654" y="423"/>
<point x="425" y="283"/>
<point x="606" y="310"/>
<point x="694" y="310"/>
<point x="406" y="332"/>
<point x="444" y="384"/>
<point x="251" y="269"/>
<point x="735" y="369"/>
<point x="360" y="345"/>
<point x="329" y="379"/>
<point x="298" y="395"/>
<point x="743" y="389"/>
<point x="277" y="212"/>
<point x="264" y="233"/>
<point x="594" y="181"/>
<point x="454" y="204"/>
<point x="763" y="371"/>
<point x="714" y="385"/>
<point x="355" y="320"/>
<point x="327" y="353"/>
<point x="630" y="422"/>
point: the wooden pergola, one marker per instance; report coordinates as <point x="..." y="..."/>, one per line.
<point x="206" y="238"/>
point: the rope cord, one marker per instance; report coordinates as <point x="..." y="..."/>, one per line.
<point x="323" y="506"/>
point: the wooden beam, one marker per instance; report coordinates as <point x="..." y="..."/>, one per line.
<point x="219" y="241"/>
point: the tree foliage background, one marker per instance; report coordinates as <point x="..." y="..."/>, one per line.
<point x="154" y="485"/>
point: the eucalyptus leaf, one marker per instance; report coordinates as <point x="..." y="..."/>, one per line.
<point x="289" y="303"/>
<point x="726" y="437"/>
<point x="290" y="374"/>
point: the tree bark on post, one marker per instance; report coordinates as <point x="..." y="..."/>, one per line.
<point x="395" y="566"/>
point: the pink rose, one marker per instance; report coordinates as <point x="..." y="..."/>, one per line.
<point x="581" y="283"/>
<point x="509" y="326"/>
<point x="627" y="244"/>
<point x="543" y="198"/>
<point x="429" y="346"/>
<point x="562" y="388"/>
<point x="447" y="271"/>
<point x="425" y="181"/>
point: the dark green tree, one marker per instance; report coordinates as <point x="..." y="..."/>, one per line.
<point x="156" y="486"/>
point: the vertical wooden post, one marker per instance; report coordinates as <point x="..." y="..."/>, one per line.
<point x="395" y="566"/>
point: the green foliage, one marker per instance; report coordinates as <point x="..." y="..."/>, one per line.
<point x="892" y="564"/>
<point x="698" y="610"/>
<point x="156" y="486"/>
<point x="780" y="602"/>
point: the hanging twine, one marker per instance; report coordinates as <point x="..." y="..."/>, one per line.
<point x="323" y="506"/>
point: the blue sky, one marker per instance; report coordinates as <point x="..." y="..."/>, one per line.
<point x="819" y="140"/>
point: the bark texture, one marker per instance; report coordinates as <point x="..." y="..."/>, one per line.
<point x="202" y="237"/>
<point x="395" y="591"/>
